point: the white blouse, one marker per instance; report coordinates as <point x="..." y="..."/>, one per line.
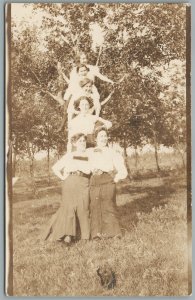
<point x="72" y="162"/>
<point x="107" y="160"/>
<point x="82" y="124"/>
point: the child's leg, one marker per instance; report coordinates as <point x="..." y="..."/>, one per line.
<point x="95" y="93"/>
<point x="67" y="94"/>
<point x="69" y="146"/>
<point x="70" y="116"/>
<point x="96" y="100"/>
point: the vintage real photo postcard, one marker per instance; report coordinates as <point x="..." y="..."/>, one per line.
<point x="98" y="158"/>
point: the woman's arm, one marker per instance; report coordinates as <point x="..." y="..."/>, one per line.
<point x="106" y="123"/>
<point x="119" y="165"/>
<point x="58" y="167"/>
<point x="97" y="73"/>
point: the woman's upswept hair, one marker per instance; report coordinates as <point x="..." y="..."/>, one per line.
<point x="100" y="128"/>
<point x="81" y="66"/>
<point x="88" y="99"/>
<point x="77" y="136"/>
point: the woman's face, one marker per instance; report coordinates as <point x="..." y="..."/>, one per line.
<point x="87" y="88"/>
<point x="102" y="139"/>
<point x="83" y="59"/>
<point x="80" y="144"/>
<point x="82" y="72"/>
<point x="84" y="106"/>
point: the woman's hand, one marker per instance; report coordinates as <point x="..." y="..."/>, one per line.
<point x="64" y="176"/>
<point x="76" y="112"/>
<point x="116" y="180"/>
<point x="108" y="124"/>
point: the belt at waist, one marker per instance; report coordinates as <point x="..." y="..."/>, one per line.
<point x="100" y="172"/>
<point x="79" y="173"/>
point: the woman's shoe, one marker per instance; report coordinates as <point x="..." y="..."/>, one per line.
<point x="67" y="240"/>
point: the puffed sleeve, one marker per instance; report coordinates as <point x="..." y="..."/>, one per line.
<point x="119" y="165"/>
<point x="95" y="71"/>
<point x="73" y="74"/>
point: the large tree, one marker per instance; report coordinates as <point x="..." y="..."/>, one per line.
<point x="139" y="41"/>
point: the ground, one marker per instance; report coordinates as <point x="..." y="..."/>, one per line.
<point x="150" y="259"/>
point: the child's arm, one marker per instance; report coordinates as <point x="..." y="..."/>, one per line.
<point x="65" y="78"/>
<point x="97" y="73"/>
<point x="59" y="67"/>
<point x="97" y="104"/>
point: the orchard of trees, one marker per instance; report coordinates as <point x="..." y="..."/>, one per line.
<point x="142" y="43"/>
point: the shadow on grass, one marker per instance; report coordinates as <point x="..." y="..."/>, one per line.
<point x="149" y="197"/>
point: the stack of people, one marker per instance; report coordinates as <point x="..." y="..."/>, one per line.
<point x="90" y="168"/>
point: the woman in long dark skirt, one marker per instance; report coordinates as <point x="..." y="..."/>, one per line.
<point x="75" y="194"/>
<point x="107" y="168"/>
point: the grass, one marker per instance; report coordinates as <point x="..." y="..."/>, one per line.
<point x="150" y="259"/>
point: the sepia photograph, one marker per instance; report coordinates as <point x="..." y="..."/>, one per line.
<point x="98" y="149"/>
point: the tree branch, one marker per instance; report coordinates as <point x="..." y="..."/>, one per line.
<point x="37" y="78"/>
<point x="107" y="99"/>
<point x="56" y="98"/>
<point x="60" y="72"/>
<point x="99" y="53"/>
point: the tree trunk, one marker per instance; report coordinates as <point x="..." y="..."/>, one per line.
<point x="181" y="155"/>
<point x="64" y="118"/>
<point x="125" y="147"/>
<point x="126" y="157"/>
<point x="48" y="165"/>
<point x="156" y="156"/>
<point x="31" y="168"/>
<point x="136" y="158"/>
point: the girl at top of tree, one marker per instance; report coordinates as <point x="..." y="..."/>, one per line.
<point x="84" y="70"/>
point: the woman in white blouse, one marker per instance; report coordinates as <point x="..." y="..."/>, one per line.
<point x="74" y="170"/>
<point x="107" y="168"/>
<point x="85" y="122"/>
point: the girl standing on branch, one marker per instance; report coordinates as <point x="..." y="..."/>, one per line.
<point x="92" y="72"/>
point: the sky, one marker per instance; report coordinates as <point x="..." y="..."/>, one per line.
<point x="24" y="16"/>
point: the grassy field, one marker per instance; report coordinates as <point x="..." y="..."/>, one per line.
<point x="150" y="259"/>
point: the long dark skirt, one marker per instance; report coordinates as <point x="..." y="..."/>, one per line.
<point x="104" y="219"/>
<point x="75" y="202"/>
